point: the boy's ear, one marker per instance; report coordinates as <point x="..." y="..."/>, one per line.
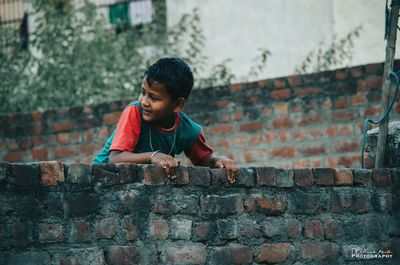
<point x="179" y="103"/>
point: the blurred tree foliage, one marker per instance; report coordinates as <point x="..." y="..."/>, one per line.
<point x="75" y="58"/>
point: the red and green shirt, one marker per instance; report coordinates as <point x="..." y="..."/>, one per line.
<point x="133" y="134"/>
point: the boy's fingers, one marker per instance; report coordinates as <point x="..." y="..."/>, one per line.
<point x="218" y="164"/>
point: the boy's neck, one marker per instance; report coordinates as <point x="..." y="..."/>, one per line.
<point x="168" y="124"/>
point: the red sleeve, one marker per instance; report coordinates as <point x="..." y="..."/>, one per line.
<point x="199" y="151"/>
<point x="128" y="130"/>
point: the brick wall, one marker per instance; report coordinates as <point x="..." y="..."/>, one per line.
<point x="54" y="213"/>
<point x="288" y="122"/>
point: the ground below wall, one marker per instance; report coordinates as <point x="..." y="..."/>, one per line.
<point x="55" y="213"/>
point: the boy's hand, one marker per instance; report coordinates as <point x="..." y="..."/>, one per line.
<point x="232" y="169"/>
<point x="168" y="163"/>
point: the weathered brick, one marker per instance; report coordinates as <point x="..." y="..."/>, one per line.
<point x="310" y="119"/>
<point x="79" y="232"/>
<point x="183" y="204"/>
<point x="362" y="177"/>
<point x="266" y="176"/>
<point x="381" y="177"/>
<point x="293" y="227"/>
<point x="271" y="205"/>
<point x="106" y="228"/>
<point x="221" y="129"/>
<point x="28" y="204"/>
<point x="182" y="176"/>
<point x="21" y="234"/>
<point x="304" y="202"/>
<point x="324" y="176"/>
<point x="372" y="228"/>
<point x="249" y="228"/>
<point x="25" y="176"/>
<point x="181" y="229"/>
<point x="283" y="152"/>
<point x="282" y="123"/>
<point x="319" y="251"/>
<point x="105" y="174"/>
<point x="122" y="255"/>
<point x="14" y="156"/>
<point x="199" y="176"/>
<point x="333" y="229"/>
<point x="52" y="172"/>
<point x="159" y="228"/>
<point x="131" y="229"/>
<point x="280" y="94"/>
<point x="40" y="154"/>
<point x="284" y="178"/>
<point x="343" y="177"/>
<point x="245" y="177"/>
<point x="63" y="126"/>
<point x="275" y="253"/>
<point x="78" y="173"/>
<point x="382" y="202"/>
<point x="152" y="175"/>
<point x="303" y="177"/>
<point x="252" y="127"/>
<point x="183" y="254"/>
<point x="349" y="202"/>
<point x="314" y="229"/>
<point x="214" y="204"/>
<point x="232" y="254"/>
<point x="62" y="152"/>
<point x="50" y="233"/>
<point x="28" y="258"/>
<point x="227" y="228"/>
<point x="82" y="204"/>
<point x="273" y="228"/>
<point x="111" y="118"/>
<point x="204" y="231"/>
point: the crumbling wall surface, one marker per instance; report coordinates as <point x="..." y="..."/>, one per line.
<point x="54" y="213"/>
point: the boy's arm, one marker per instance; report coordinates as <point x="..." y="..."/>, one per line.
<point x="168" y="163"/>
<point x="232" y="169"/>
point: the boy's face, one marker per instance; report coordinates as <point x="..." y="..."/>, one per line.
<point x="157" y="105"/>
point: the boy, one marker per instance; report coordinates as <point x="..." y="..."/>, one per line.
<point x="153" y="129"/>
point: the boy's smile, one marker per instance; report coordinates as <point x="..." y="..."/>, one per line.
<point x="157" y="105"/>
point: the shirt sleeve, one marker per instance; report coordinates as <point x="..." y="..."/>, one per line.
<point x="199" y="150"/>
<point x="128" y="130"/>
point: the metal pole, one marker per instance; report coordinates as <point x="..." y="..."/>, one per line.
<point x="387" y="88"/>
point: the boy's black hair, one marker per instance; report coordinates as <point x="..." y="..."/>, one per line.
<point x="174" y="74"/>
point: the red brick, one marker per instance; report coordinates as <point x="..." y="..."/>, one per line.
<point x="284" y="152"/>
<point x="25" y="143"/>
<point x="39" y="154"/>
<point x="52" y="172"/>
<point x="223" y="103"/>
<point x="281" y="123"/>
<point x="269" y="137"/>
<point x="307" y="91"/>
<point x="122" y="255"/>
<point x="106" y="228"/>
<point x="315" y="134"/>
<point x="314" y="229"/>
<point x="279" y="83"/>
<point x="298" y="135"/>
<point x="221" y="129"/>
<point x="302" y="163"/>
<point x="345" y="130"/>
<point x="267" y="111"/>
<point x="50" y="233"/>
<point x="203" y="231"/>
<point x="283" y="137"/>
<point x="239" y="140"/>
<point x="255" y="140"/>
<point x="372" y="82"/>
<point x="275" y="253"/>
<point x="372" y="112"/>
<point x="349" y="202"/>
<point x="64" y="152"/>
<point x="263" y="83"/>
<point x="324" y="176"/>
<point x="342" y="74"/>
<point x="271" y="206"/>
<point x="303" y="177"/>
<point x="14" y="156"/>
<point x="341" y="103"/>
<point x="319" y="251"/>
<point x="342" y="116"/>
<point x="294" y="80"/>
<point x="111" y="118"/>
<point x="374" y="68"/>
<point x="88" y="148"/>
<point x="358" y="99"/>
<point x="232" y="254"/>
<point x="293" y="227"/>
<point x="348" y="161"/>
<point x="266" y="176"/>
<point x="224" y="143"/>
<point x="236" y="87"/>
<point x="281" y="94"/>
<point x="237" y="115"/>
<point x="327" y="104"/>
<point x="312" y="150"/>
<point x="343" y="177"/>
<point x="63" y="126"/>
<point x="63" y="138"/>
<point x="381" y="177"/>
<point x="79" y="232"/>
<point x="344" y="147"/>
<point x="253" y="155"/>
<point x="282" y="108"/>
<point x="251" y="126"/>
<point x="356" y="71"/>
<point x="159" y="229"/>
<point x="333" y="229"/>
<point x="103" y="133"/>
<point x="183" y="254"/>
<point x="330" y="131"/>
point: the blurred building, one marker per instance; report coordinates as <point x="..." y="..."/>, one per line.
<point x="237" y="29"/>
